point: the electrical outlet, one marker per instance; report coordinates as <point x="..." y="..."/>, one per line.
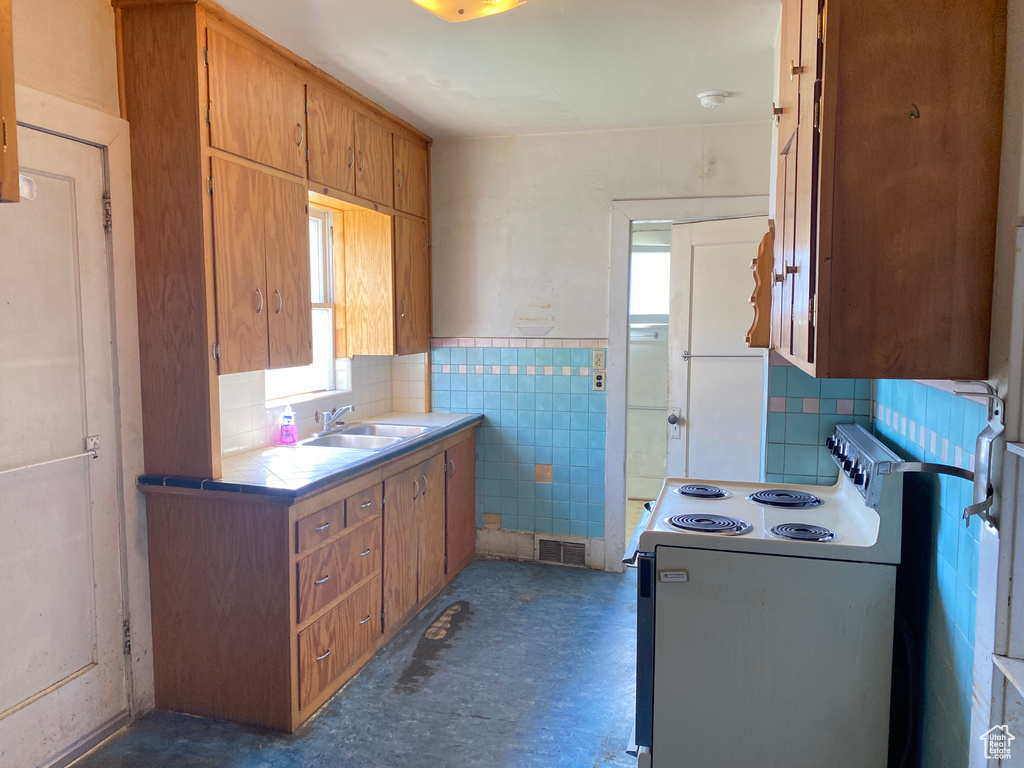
<point x="598" y="378"/>
<point x="600" y="358"/>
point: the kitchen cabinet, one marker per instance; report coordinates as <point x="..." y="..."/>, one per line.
<point x="460" y="504"/>
<point x="332" y="154"/>
<point x="387" y="284"/>
<point x="261" y="264"/>
<point x="414" y="531"/>
<point x="373" y="160"/>
<point x="412" y="190"/>
<point x="256" y="101"/>
<point x="887" y="187"/>
<point x="9" y="185"/>
<point x="199" y="85"/>
<point x="264" y="606"/>
<point x="412" y="286"/>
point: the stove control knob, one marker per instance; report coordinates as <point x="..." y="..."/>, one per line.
<point x="830" y="443"/>
<point x="860" y="478"/>
<point x="847" y="465"/>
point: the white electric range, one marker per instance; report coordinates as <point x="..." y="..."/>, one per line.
<point x="765" y="617"/>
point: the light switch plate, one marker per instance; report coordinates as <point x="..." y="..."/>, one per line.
<point x="600" y="359"/>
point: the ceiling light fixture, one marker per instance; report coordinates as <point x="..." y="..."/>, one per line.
<point x="712" y="99"/>
<point x="464" y="10"/>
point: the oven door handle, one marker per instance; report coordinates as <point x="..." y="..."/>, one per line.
<point x="632" y="549"/>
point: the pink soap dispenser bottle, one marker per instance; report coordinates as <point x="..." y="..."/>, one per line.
<point x="287" y="432"/>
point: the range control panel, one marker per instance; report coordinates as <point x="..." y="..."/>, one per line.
<point x="862" y="458"/>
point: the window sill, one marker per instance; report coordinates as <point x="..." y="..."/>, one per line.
<point x="306" y="398"/>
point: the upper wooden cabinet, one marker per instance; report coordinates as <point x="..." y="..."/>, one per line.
<point x="221" y="184"/>
<point x="9" y="187"/>
<point x="257" y="102"/>
<point x="261" y="262"/>
<point x="332" y="154"/>
<point x="373" y="160"/>
<point x="412" y="193"/>
<point x="412" y="286"/>
<point x="887" y="187"/>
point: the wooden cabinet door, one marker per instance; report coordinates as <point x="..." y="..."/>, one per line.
<point x="239" y="267"/>
<point x="789" y="55"/>
<point x="401" y="544"/>
<point x="369" y="283"/>
<point x="412" y="286"/>
<point x="286" y="241"/>
<point x="411" y="178"/>
<point x="332" y="154"/>
<point x="257" y="106"/>
<point x="430" y="513"/>
<point x="373" y="161"/>
<point x="460" y="504"/>
<point x="9" y="186"/>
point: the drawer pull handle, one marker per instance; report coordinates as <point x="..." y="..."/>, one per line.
<point x="365" y="620"/>
<point x="367" y="504"/>
<point x="323" y="527"/>
<point x="321" y="658"/>
<point x="364" y="554"/>
<point x="325" y="578"/>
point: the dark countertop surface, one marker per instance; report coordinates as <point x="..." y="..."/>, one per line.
<point x="288" y="472"/>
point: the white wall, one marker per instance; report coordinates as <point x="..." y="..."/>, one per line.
<point x="521" y="228"/>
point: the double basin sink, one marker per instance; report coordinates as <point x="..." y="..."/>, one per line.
<point x="367" y="437"/>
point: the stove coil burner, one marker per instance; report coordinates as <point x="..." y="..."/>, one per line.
<point x="695" y="491"/>
<point x="780" y="497"/>
<point x="804" y="532"/>
<point x="726" y="526"/>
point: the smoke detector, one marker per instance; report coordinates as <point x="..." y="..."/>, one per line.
<point x="712" y="99"/>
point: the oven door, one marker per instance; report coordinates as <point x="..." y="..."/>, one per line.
<point x="644" y="725"/>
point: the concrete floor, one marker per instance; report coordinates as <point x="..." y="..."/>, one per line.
<point x="535" y="671"/>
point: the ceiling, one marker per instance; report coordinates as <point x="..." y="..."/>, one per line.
<point x="548" y="66"/>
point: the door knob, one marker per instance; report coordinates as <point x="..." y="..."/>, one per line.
<point x="673" y="419"/>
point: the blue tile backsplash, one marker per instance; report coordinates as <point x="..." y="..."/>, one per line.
<point x="929" y="424"/>
<point x="541" y="446"/>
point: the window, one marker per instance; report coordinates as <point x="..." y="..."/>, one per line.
<point x="649" y="281"/>
<point x="320" y="375"/>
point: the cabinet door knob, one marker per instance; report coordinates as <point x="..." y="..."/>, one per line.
<point x="300" y="134"/>
<point x="351" y="157"/>
<point x="323" y="580"/>
<point x="777" y="113"/>
<point x="451" y="465"/>
<point x="416" y="489"/>
<point x="403" y="307"/>
<point x="792" y="269"/>
<point x="367" y="504"/>
<point x="424" y="483"/>
<point x="280" y="302"/>
<point x="400" y="179"/>
<point x="365" y="620"/>
<point x="323" y="527"/>
<point x="260" y="307"/>
<point x="321" y="658"/>
<point x="795" y="69"/>
<point x="362" y="161"/>
<point x="364" y="554"/>
<point x="778" y="277"/>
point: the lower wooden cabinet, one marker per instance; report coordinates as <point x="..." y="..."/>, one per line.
<point x="264" y="607"/>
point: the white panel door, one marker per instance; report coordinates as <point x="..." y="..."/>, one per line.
<point x="715" y="381"/>
<point x="63" y="675"/>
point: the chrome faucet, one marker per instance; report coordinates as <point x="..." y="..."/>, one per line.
<point x="329" y="419"/>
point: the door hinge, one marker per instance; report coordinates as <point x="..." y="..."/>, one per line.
<point x="206" y="56"/>
<point x="209" y="184"/>
<point x="817" y="115"/>
<point x="821" y="29"/>
<point x="307" y="154"/>
<point x="108" y="222"/>
<point x="307" y="209"/>
<point x="216" y="350"/>
<point x="127" y="629"/>
<point x="207" y="114"/>
<point x="812" y="310"/>
<point x="305" y="107"/>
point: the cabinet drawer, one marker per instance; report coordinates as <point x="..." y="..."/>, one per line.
<point x="328" y="522"/>
<point x="363" y="505"/>
<point x="328" y="647"/>
<point x="330" y="572"/>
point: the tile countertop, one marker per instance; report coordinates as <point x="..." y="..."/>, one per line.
<point x="295" y="470"/>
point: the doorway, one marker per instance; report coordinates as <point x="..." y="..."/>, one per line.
<point x="630" y="332"/>
<point x="65" y="677"/>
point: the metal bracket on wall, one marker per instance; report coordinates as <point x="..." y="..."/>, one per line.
<point x="988" y="452"/>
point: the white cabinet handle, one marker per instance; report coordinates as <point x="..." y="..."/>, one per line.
<point x="403" y="307"/>
<point x="451" y="464"/>
<point x="365" y="620"/>
<point x="362" y="162"/>
<point x="364" y="554"/>
<point x="321" y="658"/>
<point x="324" y="579"/>
<point x="351" y="157"/>
<point x="300" y="134"/>
<point x="424" y="483"/>
<point x="367" y="504"/>
<point x="416" y="489"/>
<point x="400" y="179"/>
<point x="280" y="302"/>
<point x="260" y="307"/>
<point x="323" y="527"/>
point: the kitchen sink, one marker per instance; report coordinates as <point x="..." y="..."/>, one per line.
<point x="385" y="430"/>
<point x="357" y="441"/>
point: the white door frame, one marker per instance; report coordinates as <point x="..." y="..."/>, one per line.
<point x="109" y="133"/>
<point x="624" y="213"/>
